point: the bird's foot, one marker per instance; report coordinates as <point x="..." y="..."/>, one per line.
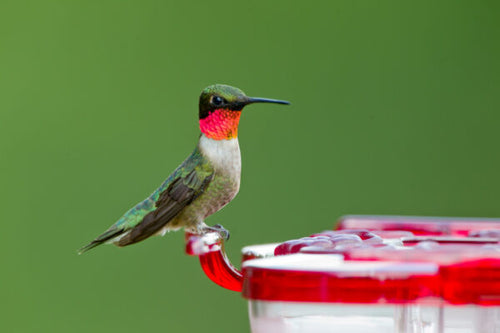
<point x="223" y="232"/>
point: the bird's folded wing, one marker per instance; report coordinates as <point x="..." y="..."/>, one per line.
<point x="180" y="193"/>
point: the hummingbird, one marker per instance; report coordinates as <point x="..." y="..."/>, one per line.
<point x="203" y="184"/>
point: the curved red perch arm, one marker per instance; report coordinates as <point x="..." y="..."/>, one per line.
<point x="214" y="262"/>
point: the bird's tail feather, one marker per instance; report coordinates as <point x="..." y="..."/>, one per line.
<point x="110" y="234"/>
<point x="88" y="247"/>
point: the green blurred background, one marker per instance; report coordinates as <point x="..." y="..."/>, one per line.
<point x="395" y="111"/>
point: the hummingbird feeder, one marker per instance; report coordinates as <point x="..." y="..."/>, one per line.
<point x="371" y="274"/>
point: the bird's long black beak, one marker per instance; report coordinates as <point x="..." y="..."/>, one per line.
<point x="265" y="100"/>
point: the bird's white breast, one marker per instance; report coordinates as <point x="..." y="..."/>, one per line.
<point x="224" y="155"/>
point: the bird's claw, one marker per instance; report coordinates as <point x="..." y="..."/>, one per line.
<point x="223" y="232"/>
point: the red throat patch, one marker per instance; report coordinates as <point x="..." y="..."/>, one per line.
<point x="221" y="124"/>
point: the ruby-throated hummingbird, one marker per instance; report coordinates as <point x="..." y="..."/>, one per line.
<point x="204" y="183"/>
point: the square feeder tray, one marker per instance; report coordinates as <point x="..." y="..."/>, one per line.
<point x="372" y="274"/>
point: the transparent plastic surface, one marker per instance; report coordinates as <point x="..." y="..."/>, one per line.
<point x="300" y="317"/>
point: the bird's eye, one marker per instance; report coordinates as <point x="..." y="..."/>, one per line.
<point x="217" y="100"/>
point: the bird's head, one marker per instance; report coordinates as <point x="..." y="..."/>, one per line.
<point x="220" y="110"/>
